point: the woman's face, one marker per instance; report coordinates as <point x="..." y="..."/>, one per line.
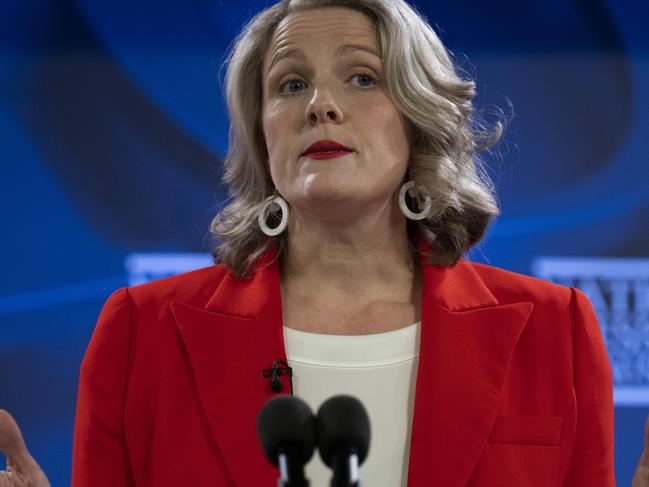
<point x="317" y="87"/>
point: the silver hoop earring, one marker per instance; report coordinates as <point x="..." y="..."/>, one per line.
<point x="404" y="207"/>
<point x="265" y="210"/>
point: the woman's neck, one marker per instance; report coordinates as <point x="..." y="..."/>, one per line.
<point x="333" y="260"/>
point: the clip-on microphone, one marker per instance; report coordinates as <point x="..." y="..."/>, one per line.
<point x="274" y="374"/>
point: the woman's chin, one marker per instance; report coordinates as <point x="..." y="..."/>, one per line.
<point x="331" y="203"/>
<point x="323" y="188"/>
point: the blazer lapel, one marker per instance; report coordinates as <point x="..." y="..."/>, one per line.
<point x="229" y="342"/>
<point x="466" y="344"/>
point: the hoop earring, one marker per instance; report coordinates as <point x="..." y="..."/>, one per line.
<point x="263" y="215"/>
<point x="404" y="207"/>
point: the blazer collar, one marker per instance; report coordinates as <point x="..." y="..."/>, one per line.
<point x="248" y="297"/>
<point x="455" y="288"/>
<point x="467" y="340"/>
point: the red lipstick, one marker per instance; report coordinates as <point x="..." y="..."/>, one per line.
<point x="326" y="149"/>
<point x="326" y="155"/>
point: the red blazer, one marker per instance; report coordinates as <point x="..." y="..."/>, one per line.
<point x="513" y="387"/>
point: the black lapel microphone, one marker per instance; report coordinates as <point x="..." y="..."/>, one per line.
<point x="286" y="430"/>
<point x="279" y="369"/>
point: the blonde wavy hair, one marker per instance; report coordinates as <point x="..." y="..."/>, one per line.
<point x="424" y="85"/>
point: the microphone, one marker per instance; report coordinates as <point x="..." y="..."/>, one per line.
<point x="343" y="431"/>
<point x="279" y="368"/>
<point x="286" y="430"/>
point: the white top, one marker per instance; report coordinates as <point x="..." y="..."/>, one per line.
<point x="379" y="369"/>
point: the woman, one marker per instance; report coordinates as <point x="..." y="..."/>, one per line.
<point x="356" y="189"/>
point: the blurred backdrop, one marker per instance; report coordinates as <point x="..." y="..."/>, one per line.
<point x="113" y="129"/>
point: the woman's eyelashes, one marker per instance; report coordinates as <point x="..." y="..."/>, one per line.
<point x="365" y="81"/>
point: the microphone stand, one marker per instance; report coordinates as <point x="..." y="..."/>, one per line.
<point x="291" y="473"/>
<point x="344" y="464"/>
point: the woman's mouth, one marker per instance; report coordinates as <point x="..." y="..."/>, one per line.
<point x="326" y="154"/>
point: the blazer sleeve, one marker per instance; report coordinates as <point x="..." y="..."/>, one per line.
<point x="100" y="457"/>
<point x="592" y="458"/>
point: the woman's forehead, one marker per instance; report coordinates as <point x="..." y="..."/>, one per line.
<point x="331" y="27"/>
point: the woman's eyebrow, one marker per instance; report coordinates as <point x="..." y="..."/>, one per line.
<point x="298" y="54"/>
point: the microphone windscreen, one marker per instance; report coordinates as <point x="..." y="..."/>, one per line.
<point x="342" y="422"/>
<point x="286" y="422"/>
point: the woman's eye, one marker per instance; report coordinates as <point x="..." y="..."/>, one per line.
<point x="293" y="85"/>
<point x="365" y="78"/>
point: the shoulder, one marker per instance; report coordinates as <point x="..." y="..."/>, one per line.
<point x="553" y="305"/>
<point x="510" y="287"/>
<point x="194" y="288"/>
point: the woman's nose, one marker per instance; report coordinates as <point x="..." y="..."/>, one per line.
<point x="323" y="108"/>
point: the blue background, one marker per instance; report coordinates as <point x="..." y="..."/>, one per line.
<point x="113" y="128"/>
